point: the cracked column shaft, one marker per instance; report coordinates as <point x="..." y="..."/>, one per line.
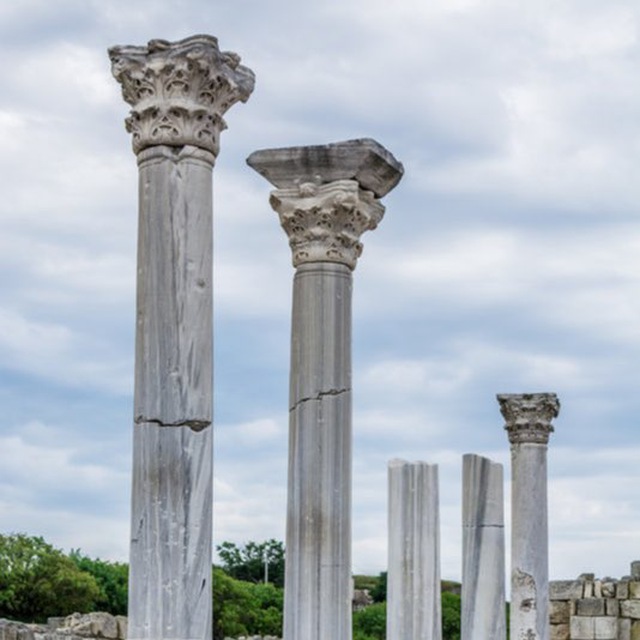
<point x="528" y="423"/>
<point x="327" y="196"/>
<point x="175" y="90"/>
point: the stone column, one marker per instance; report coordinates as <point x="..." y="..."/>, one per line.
<point x="528" y="423"/>
<point x="483" y="589"/>
<point x="178" y="93"/>
<point x="413" y="571"/>
<point x="326" y="197"/>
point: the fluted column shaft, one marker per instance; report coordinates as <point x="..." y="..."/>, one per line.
<point x="528" y="424"/>
<point x="175" y="120"/>
<point x="327" y="196"/>
<point x="318" y="568"/>
<point x="483" y="588"/>
<point x="413" y="572"/>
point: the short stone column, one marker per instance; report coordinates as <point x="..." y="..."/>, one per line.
<point x="528" y="423"/>
<point x="326" y="197"/>
<point x="483" y="588"/>
<point x="178" y="93"/>
<point x="413" y="572"/>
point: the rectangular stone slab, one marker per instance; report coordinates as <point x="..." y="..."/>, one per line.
<point x="363" y="160"/>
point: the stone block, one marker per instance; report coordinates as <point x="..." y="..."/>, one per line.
<point x="608" y="589"/>
<point x="606" y="628"/>
<point x="635" y="630"/>
<point x="565" y="589"/>
<point x="588" y="589"/>
<point x="590" y="607"/>
<point x="122" y="627"/>
<point x="559" y="611"/>
<point x="630" y="609"/>
<point x="597" y="589"/>
<point x="635" y="569"/>
<point x="622" y="590"/>
<point x="612" y="607"/>
<point x="582" y="628"/>
<point x="634" y="589"/>
<point x="624" y="629"/>
<point x="560" y="632"/>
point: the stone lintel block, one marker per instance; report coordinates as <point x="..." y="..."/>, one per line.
<point x="624" y="629"/>
<point x="590" y="607"/>
<point x="634" y="633"/>
<point x="635" y="569"/>
<point x="582" y="628"/>
<point x="612" y="607"/>
<point x="560" y="632"/>
<point x="606" y="628"/>
<point x="634" y="589"/>
<point x="559" y="611"/>
<point x="363" y="160"/>
<point x="630" y="609"/>
<point x="565" y="589"/>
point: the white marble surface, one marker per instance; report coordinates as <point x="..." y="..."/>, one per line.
<point x="171" y="516"/>
<point x="413" y="576"/>
<point x="528" y="424"/>
<point x="483" y="549"/>
<point x="318" y="568"/>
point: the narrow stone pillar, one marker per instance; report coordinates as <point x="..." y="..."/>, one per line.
<point x="483" y="589"/>
<point x="178" y="93"/>
<point x="413" y="572"/>
<point x="528" y="423"/>
<point x="326" y="197"/>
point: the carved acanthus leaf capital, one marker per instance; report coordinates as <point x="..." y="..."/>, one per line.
<point x="528" y="416"/>
<point x="179" y="91"/>
<point x="324" y="222"/>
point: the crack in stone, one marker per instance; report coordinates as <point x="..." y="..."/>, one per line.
<point x="319" y="396"/>
<point x="194" y="425"/>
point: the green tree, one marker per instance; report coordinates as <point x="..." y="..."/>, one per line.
<point x="245" y="608"/>
<point x="112" y="579"/>
<point x="38" y="581"/>
<point x="370" y="623"/>
<point x="379" y="592"/>
<point x="253" y="560"/>
<point x="450" y="616"/>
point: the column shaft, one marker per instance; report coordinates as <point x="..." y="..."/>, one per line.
<point x="413" y="573"/>
<point x="528" y="423"/>
<point x="171" y="518"/>
<point x="318" y="568"/>
<point x="483" y="583"/>
<point x="529" y="542"/>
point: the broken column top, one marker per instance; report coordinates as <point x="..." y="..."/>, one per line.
<point x="528" y="416"/>
<point x="179" y="91"/>
<point x="363" y="160"/>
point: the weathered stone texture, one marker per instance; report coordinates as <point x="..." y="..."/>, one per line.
<point x="559" y="611"/>
<point x="590" y="607"/>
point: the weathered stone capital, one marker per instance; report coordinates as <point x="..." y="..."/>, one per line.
<point x="179" y="91"/>
<point x="528" y="416"/>
<point x="324" y="222"/>
<point x="327" y="195"/>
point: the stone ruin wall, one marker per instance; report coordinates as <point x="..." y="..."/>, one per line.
<point x="596" y="609"/>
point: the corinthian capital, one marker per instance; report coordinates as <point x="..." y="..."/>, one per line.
<point x="179" y="91"/>
<point x="528" y="416"/>
<point x="324" y="222"/>
<point x="327" y="195"/>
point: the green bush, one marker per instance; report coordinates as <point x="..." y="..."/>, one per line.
<point x="38" y="581"/>
<point x="370" y="623"/>
<point x="112" y="579"/>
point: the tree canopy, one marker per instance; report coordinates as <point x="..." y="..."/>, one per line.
<point x="254" y="561"/>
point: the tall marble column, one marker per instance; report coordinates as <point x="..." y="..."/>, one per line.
<point x="178" y="93"/>
<point x="483" y="589"/>
<point x="413" y="571"/>
<point x="326" y="197"/>
<point x="528" y="423"/>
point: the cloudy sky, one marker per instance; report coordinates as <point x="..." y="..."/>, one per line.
<point x="507" y="260"/>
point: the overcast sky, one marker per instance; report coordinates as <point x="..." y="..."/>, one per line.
<point x="507" y="260"/>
